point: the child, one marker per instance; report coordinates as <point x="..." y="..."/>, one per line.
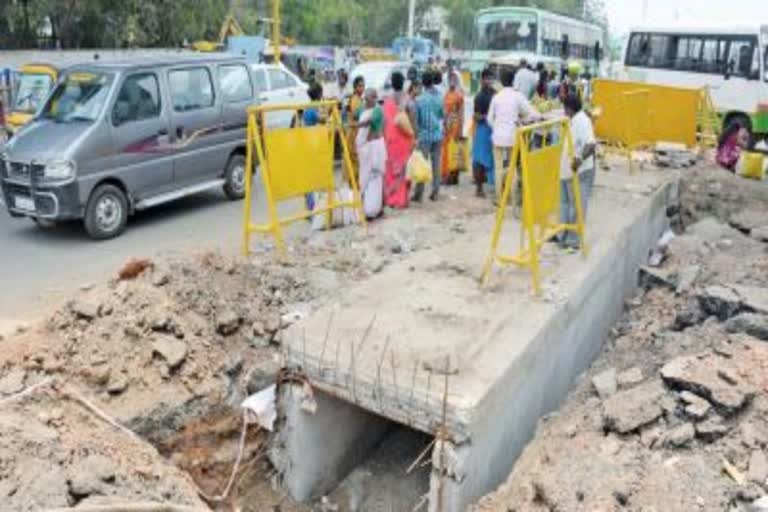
<point x="311" y="117"/>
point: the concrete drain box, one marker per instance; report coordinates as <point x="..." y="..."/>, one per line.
<point x="377" y="355"/>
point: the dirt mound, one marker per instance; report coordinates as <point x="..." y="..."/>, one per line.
<point x="673" y="415"/>
<point x="55" y="453"/>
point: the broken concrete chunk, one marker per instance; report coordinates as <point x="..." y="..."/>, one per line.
<point x="650" y="277"/>
<point x="605" y="383"/>
<point x="630" y="378"/>
<point x="703" y="377"/>
<point x="696" y="407"/>
<point x="12" y="382"/>
<point x="754" y="324"/>
<point x="747" y="220"/>
<point x="173" y="351"/>
<point x="118" y="383"/>
<point x="680" y="437"/>
<point x="753" y="298"/>
<point x="712" y="429"/>
<point x="84" y="309"/>
<point x="758" y="467"/>
<point x="629" y="410"/>
<point x="720" y="301"/>
<point x="227" y="322"/>
<point x="687" y="278"/>
<point x="90" y="475"/>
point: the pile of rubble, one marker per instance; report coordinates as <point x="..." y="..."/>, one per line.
<point x="673" y="415"/>
<point x="166" y="351"/>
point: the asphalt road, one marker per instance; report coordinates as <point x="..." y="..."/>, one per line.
<point x="42" y="267"/>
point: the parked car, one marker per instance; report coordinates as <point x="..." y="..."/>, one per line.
<point x="115" y="138"/>
<point x="377" y="75"/>
<point x="274" y="85"/>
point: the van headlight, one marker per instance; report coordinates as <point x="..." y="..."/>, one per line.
<point x="59" y="170"/>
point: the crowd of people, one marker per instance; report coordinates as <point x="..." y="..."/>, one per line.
<point x="423" y="115"/>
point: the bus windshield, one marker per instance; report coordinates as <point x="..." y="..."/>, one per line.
<point x="80" y="97"/>
<point x="508" y="31"/>
<point x="31" y="92"/>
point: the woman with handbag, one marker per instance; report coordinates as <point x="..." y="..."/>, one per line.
<point x="399" y="112"/>
<point x="453" y="105"/>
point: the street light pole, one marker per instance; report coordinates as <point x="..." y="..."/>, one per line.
<point x="411" y="15"/>
<point x="276" y="30"/>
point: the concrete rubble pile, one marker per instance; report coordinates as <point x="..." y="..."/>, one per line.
<point x="169" y="349"/>
<point x="673" y="415"/>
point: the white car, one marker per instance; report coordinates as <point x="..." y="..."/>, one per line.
<point x="276" y="85"/>
<point x="377" y="75"/>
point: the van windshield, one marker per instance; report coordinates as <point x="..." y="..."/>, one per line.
<point x="765" y="63"/>
<point x="31" y="92"/>
<point x="80" y="97"/>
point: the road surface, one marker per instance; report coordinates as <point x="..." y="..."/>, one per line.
<point x="42" y="267"/>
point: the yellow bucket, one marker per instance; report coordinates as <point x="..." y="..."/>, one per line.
<point x="752" y="165"/>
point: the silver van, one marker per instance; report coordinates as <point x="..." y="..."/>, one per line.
<point x="114" y="138"/>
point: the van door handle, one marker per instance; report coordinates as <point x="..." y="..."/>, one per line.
<point x="162" y="131"/>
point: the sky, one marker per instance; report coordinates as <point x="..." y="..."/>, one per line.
<point x="623" y="14"/>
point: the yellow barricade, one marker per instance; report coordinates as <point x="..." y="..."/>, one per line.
<point x="295" y="161"/>
<point x="540" y="150"/>
<point x="672" y="113"/>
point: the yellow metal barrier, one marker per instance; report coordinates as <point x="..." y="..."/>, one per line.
<point x="671" y="112"/>
<point x="294" y="162"/>
<point x="540" y="150"/>
<point x="708" y="121"/>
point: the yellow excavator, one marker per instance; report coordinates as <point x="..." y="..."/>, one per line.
<point x="230" y="27"/>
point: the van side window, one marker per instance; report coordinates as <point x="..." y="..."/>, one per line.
<point x="191" y="89"/>
<point x="139" y="99"/>
<point x="235" y="83"/>
<point x="260" y="80"/>
<point x="280" y="79"/>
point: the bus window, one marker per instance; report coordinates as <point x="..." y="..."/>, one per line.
<point x="740" y="57"/>
<point x="636" y="50"/>
<point x="658" y="48"/>
<point x="765" y="63"/>
<point x="713" y="55"/>
<point x="688" y="54"/>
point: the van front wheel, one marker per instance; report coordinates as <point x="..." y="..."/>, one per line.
<point x="107" y="213"/>
<point x="234" y="178"/>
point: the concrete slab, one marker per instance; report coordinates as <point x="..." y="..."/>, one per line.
<point x="516" y="355"/>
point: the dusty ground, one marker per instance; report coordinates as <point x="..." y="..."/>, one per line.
<point x="673" y="415"/>
<point x="169" y="349"/>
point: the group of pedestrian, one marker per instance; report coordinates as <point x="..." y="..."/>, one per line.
<point x="497" y="117"/>
<point x="382" y="137"/>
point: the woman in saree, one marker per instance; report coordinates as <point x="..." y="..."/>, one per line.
<point x="372" y="153"/>
<point x="453" y="105"/>
<point x="399" y="114"/>
<point x="354" y="107"/>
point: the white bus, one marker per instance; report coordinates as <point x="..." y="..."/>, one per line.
<point x="731" y="61"/>
<point x="535" y="35"/>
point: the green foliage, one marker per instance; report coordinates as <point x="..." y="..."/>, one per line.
<point x="121" y="23"/>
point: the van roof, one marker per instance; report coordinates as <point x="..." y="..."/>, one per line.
<point x="160" y="60"/>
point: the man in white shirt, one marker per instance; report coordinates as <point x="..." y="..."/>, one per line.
<point x="526" y="80"/>
<point x="505" y="113"/>
<point x="583" y="162"/>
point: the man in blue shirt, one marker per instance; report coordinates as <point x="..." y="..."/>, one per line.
<point x="429" y="130"/>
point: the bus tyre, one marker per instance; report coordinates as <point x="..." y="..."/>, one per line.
<point x="106" y="214"/>
<point x="234" y="178"/>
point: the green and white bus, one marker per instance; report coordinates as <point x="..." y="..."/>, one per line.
<point x="732" y="61"/>
<point x="515" y="33"/>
